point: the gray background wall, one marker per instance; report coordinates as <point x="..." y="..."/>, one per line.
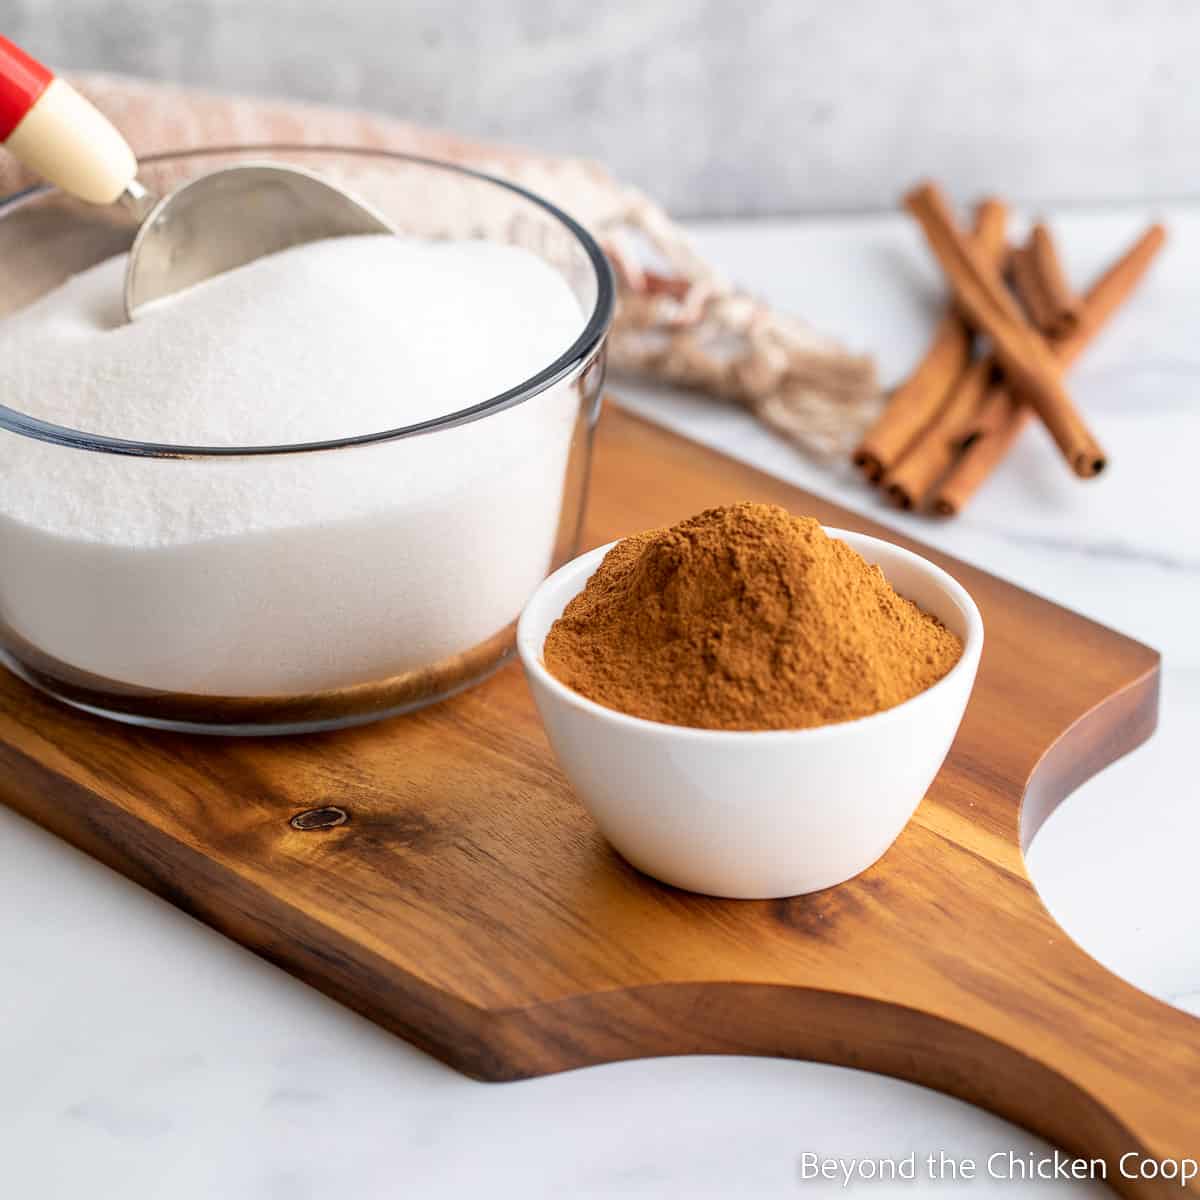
<point x="715" y="106"/>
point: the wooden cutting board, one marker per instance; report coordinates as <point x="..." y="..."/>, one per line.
<point x="468" y="904"/>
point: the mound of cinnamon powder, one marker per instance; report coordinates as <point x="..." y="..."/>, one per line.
<point x="745" y="617"/>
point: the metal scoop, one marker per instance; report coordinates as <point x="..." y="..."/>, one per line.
<point x="207" y="226"/>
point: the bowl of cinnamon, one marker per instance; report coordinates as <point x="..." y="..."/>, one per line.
<point x="748" y="704"/>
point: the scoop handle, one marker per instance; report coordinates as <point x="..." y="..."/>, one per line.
<point x="54" y="131"/>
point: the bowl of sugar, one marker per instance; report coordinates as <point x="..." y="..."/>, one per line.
<point x="314" y="491"/>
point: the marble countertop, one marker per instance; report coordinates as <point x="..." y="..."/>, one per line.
<point x="142" y="1055"/>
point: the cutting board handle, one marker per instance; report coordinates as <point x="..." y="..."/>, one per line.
<point x="1117" y="1100"/>
<point x="1045" y="1071"/>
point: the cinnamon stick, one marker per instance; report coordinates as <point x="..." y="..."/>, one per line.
<point x="991" y="414"/>
<point x="933" y="453"/>
<point x="1111" y="290"/>
<point x="1044" y="300"/>
<point x="915" y="403"/>
<point x="983" y="455"/>
<point x="916" y="400"/>
<point x="1059" y="302"/>
<point x="1045" y="294"/>
<point x="1020" y="274"/>
<point x="1002" y="418"/>
<point x="1025" y="355"/>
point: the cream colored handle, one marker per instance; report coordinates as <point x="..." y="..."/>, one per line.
<point x="67" y="141"/>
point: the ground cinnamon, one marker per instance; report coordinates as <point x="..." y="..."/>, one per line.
<point x="746" y="618"/>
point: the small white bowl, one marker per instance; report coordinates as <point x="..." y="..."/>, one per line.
<point x="754" y="815"/>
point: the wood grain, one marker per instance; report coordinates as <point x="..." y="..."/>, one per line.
<point x="469" y="905"/>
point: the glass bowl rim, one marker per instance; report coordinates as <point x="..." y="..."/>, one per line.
<point x="575" y="356"/>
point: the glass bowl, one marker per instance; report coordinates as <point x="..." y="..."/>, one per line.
<point x="407" y="592"/>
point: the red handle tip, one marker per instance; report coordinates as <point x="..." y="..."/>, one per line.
<point x="22" y="81"/>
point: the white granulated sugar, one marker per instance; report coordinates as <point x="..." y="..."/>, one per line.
<point x="280" y="574"/>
